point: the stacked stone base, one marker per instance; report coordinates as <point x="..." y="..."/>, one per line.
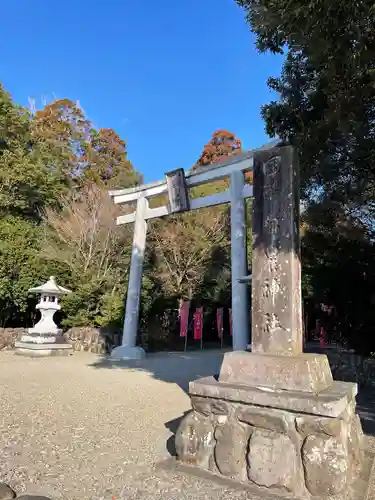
<point x="286" y="442"/>
<point x="36" y="344"/>
<point x="42" y="350"/>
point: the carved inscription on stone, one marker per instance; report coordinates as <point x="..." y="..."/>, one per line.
<point x="276" y="275"/>
<point x="272" y="264"/>
<point x="272" y="188"/>
<point x="271" y="286"/>
<point x="273" y="227"/>
<point x="272" y="322"/>
<point x="272" y="172"/>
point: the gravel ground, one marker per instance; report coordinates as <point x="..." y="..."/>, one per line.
<point x="82" y="428"/>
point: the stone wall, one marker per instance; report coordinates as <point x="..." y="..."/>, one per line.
<point x="8" y="336"/>
<point x="82" y="339"/>
<point x="93" y="339"/>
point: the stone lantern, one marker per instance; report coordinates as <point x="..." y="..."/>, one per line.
<point x="45" y="338"/>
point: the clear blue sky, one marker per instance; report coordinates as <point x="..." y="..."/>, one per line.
<point x="164" y="74"/>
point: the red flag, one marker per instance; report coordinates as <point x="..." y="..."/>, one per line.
<point x="184" y="318"/>
<point x="230" y="322"/>
<point x="219" y="322"/>
<point x="198" y="323"/>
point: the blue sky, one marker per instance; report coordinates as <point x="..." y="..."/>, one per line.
<point x="164" y="74"/>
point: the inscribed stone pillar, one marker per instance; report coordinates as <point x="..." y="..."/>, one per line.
<point x="276" y="269"/>
<point x="277" y="360"/>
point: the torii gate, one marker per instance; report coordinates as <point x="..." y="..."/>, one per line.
<point x="177" y="184"/>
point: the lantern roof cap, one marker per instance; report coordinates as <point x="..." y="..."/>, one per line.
<point x="50" y="287"/>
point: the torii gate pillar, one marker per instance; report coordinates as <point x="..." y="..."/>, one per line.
<point x="128" y="348"/>
<point x="240" y="302"/>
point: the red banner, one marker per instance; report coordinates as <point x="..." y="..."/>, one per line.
<point x="219" y="322"/>
<point x="198" y="323"/>
<point x="184" y="318"/>
<point x="230" y="322"/>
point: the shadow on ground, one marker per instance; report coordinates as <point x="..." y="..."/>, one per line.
<point x="366" y="410"/>
<point x="181" y="368"/>
<point x="174" y="367"/>
<point x="178" y="368"/>
<point x="172" y="426"/>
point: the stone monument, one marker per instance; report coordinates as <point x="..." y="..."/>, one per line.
<point x="275" y="418"/>
<point x="45" y="338"/>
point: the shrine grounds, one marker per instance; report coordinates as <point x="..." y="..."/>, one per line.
<point x="81" y="427"/>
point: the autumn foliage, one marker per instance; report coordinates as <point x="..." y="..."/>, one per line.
<point x="222" y="144"/>
<point x="80" y="150"/>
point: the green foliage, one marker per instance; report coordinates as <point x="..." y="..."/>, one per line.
<point x="83" y="305"/>
<point x="20" y="268"/>
<point x="89" y="305"/>
<point x="111" y="310"/>
<point x="27" y="183"/>
<point x="56" y="218"/>
<point x="326" y="108"/>
<point x="107" y="162"/>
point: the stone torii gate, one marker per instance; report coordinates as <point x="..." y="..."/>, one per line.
<point x="177" y="185"/>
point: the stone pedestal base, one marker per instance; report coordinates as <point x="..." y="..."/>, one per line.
<point x="286" y="442"/>
<point x="306" y="372"/>
<point x="34" y="337"/>
<point x="42" y="350"/>
<point x="125" y="352"/>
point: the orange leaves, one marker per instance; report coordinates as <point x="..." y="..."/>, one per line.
<point x="222" y="144"/>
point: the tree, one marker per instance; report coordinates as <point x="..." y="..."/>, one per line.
<point x="26" y="181"/>
<point x="20" y="269"/>
<point x="339" y="269"/>
<point x="188" y="254"/>
<point x="82" y="236"/>
<point x="184" y="247"/>
<point x="221" y="145"/>
<point x="54" y="219"/>
<point x="186" y="259"/>
<point x="107" y="162"/>
<point x="83" y="153"/>
<point x="63" y="129"/>
<point x="326" y="90"/>
<point x="326" y="108"/>
<point x="191" y="249"/>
